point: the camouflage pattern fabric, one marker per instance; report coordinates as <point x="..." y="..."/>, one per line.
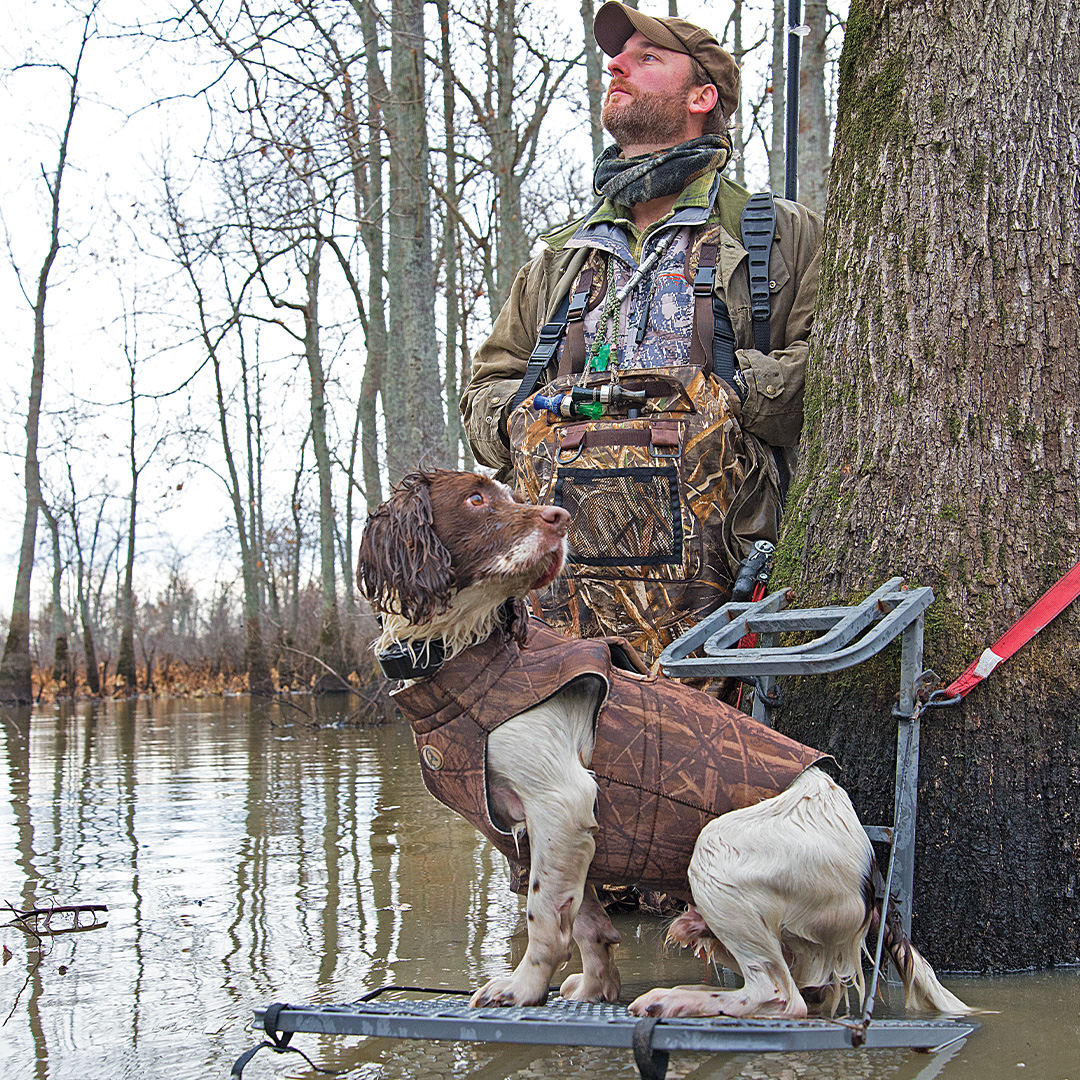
<point x="647" y="498"/>
<point x="667" y="758"/>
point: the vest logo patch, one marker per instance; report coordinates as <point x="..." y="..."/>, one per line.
<point x="431" y="757"/>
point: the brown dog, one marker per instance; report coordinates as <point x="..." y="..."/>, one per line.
<point x="529" y="735"/>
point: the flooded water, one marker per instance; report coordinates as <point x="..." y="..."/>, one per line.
<point x="246" y="857"/>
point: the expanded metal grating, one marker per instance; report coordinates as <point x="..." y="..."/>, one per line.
<point x="566" y="1023"/>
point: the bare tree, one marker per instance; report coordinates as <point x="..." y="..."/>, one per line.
<point x="412" y="387"/>
<point x="15" y="668"/>
<point x="813" y="109"/>
<point x="194" y="254"/>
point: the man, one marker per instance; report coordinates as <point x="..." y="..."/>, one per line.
<point x="666" y="211"/>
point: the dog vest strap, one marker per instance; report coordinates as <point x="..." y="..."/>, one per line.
<point x="758" y="230"/>
<point x="573" y="357"/>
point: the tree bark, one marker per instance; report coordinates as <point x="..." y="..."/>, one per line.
<point x="941" y="444"/>
<point x="813" y="111"/>
<point x="411" y="392"/>
<point x="779" y="95"/>
<point x="594" y="78"/>
<point x="329" y="650"/>
<point x="372" y="235"/>
<point x="125" y="657"/>
<point x="739" y="134"/>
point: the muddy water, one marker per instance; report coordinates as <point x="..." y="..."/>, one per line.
<point x="246" y="857"/>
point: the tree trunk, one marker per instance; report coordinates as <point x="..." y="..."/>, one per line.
<point x="16" y="667"/>
<point x="779" y="95"/>
<point x="739" y="134"/>
<point x="941" y="445"/>
<point x="58" y="623"/>
<point x="412" y="397"/>
<point x="813" y="111"/>
<point x="329" y="650"/>
<point x="125" y="658"/>
<point x="371" y="234"/>
<point x="594" y="79"/>
<point x="451" y="244"/>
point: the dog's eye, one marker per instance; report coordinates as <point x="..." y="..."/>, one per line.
<point x="476" y="499"/>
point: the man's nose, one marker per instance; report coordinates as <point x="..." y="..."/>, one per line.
<point x="619" y="66"/>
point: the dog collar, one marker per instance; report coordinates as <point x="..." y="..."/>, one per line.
<point x="410" y="660"/>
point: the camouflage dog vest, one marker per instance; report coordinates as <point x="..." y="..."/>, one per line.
<point x="667" y="758"/>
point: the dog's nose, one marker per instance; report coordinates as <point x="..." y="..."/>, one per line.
<point x="555" y="516"/>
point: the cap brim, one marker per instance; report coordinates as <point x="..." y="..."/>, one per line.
<point x="615" y="24"/>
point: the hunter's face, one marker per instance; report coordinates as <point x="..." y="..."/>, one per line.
<point x="648" y="97"/>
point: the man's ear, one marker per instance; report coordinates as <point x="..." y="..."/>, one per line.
<point x="703" y="98"/>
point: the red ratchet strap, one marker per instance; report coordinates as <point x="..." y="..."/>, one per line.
<point x="1051" y="604"/>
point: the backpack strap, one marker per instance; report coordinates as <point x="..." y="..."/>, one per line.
<point x="570" y="310"/>
<point x="573" y="354"/>
<point x="758" y="230"/>
<point x="701" y="337"/>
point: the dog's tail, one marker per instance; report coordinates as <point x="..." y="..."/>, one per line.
<point x="922" y="990"/>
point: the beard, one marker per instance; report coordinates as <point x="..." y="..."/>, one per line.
<point x="647" y="118"/>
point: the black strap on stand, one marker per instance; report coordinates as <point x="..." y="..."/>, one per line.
<point x="758" y="230"/>
<point x="652" y="1063"/>
<point x="278" y="1043"/>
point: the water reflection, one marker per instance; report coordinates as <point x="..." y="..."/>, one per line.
<point x="247" y="856"/>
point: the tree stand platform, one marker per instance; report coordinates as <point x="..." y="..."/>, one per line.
<point x="567" y="1023"/>
<point x="849" y="635"/>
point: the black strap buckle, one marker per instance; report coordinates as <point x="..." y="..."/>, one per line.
<point x="704" y="279"/>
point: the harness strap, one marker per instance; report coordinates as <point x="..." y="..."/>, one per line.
<point x="543" y="352"/>
<point x="758" y="230"/>
<point x="701" y="339"/>
<point x="573" y="355"/>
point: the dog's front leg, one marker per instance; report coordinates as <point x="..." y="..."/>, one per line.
<point x="534" y="758"/>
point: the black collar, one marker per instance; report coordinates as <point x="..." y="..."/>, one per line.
<point x="412" y="660"/>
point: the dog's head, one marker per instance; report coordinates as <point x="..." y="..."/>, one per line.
<point x="443" y="532"/>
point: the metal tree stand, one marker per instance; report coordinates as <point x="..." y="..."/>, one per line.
<point x="848" y="635"/>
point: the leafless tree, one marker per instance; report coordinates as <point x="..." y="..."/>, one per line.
<point x="15" y="668"/>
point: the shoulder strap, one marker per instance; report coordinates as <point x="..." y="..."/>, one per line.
<point x="543" y="352"/>
<point x="758" y="229"/>
<point x="702" y="339"/>
<point x="551" y="333"/>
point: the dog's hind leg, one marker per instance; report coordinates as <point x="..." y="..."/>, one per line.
<point x="780" y="884"/>
<point x="538" y="756"/>
<point x="754" y="950"/>
<point x="596" y="939"/>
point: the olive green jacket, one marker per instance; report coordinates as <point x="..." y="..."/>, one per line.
<point x="771" y="414"/>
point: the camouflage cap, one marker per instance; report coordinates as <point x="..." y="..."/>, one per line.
<point x="615" y="23"/>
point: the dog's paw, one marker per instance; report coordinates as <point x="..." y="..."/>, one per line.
<point x="580" y="988"/>
<point x="509" y="991"/>
<point x="674" y="1002"/>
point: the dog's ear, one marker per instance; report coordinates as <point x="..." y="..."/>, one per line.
<point x="403" y="567"/>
